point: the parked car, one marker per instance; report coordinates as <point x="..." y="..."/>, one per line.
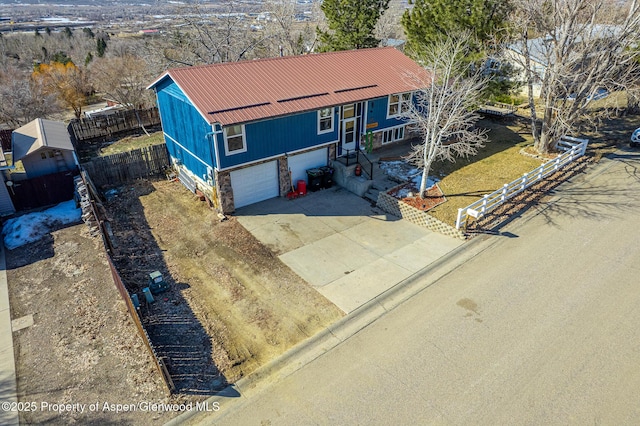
<point x="635" y="138"/>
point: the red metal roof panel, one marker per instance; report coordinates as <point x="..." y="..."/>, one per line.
<point x="239" y="92"/>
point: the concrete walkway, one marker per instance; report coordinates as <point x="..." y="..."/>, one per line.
<point x="348" y="250"/>
<point x="8" y="387"/>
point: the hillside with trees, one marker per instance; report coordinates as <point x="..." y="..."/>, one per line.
<point x="588" y="48"/>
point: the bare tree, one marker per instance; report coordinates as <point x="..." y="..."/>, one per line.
<point x="574" y="51"/>
<point x="284" y="32"/>
<point x="68" y="82"/>
<point x="389" y="25"/>
<point x="212" y="36"/>
<point x="444" y="106"/>
<point x="23" y="99"/>
<point x="123" y="79"/>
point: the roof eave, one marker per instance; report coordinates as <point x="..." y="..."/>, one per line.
<point x="158" y="80"/>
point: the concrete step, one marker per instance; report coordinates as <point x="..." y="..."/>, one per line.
<point x="371" y="195"/>
<point x="383" y="184"/>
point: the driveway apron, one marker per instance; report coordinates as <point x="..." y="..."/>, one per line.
<point x="344" y="247"/>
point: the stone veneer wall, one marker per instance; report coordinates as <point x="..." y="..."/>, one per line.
<point x="409" y="133"/>
<point x="225" y="192"/>
<point x="283" y="175"/>
<point x="400" y="209"/>
<point x="332" y="151"/>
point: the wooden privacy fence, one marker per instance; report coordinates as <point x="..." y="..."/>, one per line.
<point x="89" y="200"/>
<point x="107" y="125"/>
<point x="159" y="361"/>
<point x="127" y="166"/>
<point x="572" y="147"/>
<point x="42" y="191"/>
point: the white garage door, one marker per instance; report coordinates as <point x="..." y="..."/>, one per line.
<point x="255" y="183"/>
<point x="309" y="160"/>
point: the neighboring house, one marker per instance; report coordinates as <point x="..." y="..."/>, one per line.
<point x="515" y="55"/>
<point x="541" y="53"/>
<point x="44" y="147"/>
<point x="242" y="132"/>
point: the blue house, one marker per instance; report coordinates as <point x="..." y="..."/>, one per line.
<point x="243" y="132"/>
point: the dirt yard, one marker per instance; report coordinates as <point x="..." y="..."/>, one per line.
<point x="232" y="305"/>
<point x="82" y="347"/>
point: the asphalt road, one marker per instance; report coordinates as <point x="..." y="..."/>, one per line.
<point x="542" y="328"/>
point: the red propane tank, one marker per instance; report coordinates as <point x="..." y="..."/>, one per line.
<point x="358" y="170"/>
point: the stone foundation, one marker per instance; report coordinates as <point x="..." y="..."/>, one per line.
<point x="332" y="151"/>
<point x="283" y="175"/>
<point x="225" y="192"/>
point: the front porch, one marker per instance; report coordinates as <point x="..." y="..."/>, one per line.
<point x="372" y="180"/>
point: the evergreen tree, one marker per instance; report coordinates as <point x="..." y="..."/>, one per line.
<point x="67" y="32"/>
<point x="48" y="31"/>
<point x="429" y="20"/>
<point x="351" y="24"/>
<point x="101" y="46"/>
<point x="87" y="32"/>
<point x="60" y="57"/>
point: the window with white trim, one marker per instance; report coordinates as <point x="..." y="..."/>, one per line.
<point x="399" y="103"/>
<point x="234" y="140"/>
<point x="393" y="135"/>
<point x="325" y="120"/>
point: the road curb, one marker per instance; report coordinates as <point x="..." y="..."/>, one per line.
<point x="335" y="334"/>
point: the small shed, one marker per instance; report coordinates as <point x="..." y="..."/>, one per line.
<point x="44" y="147"/>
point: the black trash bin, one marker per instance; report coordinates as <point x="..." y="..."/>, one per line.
<point x="327" y="176"/>
<point x="314" y="177"/>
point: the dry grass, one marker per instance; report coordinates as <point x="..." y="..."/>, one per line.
<point x="498" y="163"/>
<point x="249" y="304"/>
<point x="501" y="161"/>
<point x="130" y="143"/>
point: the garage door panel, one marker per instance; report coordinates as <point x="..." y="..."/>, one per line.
<point x="254" y="184"/>
<point x="300" y="163"/>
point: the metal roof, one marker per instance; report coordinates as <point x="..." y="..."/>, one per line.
<point x="38" y="134"/>
<point x="238" y="92"/>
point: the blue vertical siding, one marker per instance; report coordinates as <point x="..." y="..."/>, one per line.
<point x="189" y="138"/>
<point x="377" y="113"/>
<point x="187" y="134"/>
<point x="278" y="136"/>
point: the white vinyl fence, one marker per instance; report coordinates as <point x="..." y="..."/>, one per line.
<point x="572" y="147"/>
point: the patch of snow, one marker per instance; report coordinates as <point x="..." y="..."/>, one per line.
<point x="401" y="171"/>
<point x="34" y="226"/>
<point x="412" y="190"/>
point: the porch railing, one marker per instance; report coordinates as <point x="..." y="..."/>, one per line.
<point x="363" y="160"/>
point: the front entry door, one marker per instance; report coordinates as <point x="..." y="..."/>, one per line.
<point x="349" y="134"/>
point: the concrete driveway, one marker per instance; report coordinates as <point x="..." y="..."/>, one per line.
<point x="348" y="250"/>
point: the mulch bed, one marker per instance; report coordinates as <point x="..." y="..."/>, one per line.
<point x="433" y="196"/>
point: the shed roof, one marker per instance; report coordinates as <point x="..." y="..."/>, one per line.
<point x="38" y="134"/>
<point x="239" y="92"/>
